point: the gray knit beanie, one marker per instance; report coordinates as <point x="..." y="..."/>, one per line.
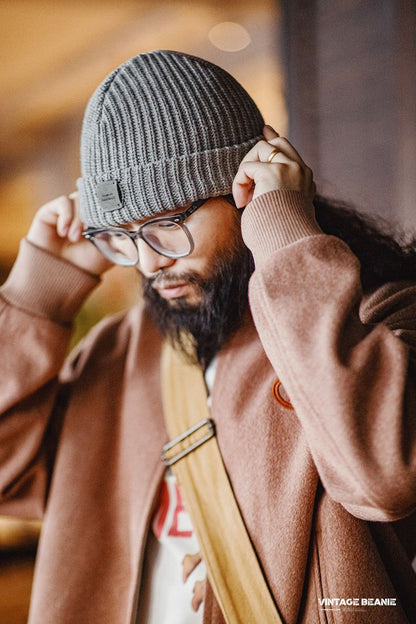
<point x="162" y="130"/>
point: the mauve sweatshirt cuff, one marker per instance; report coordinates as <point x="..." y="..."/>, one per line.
<point x="45" y="285"/>
<point x="277" y="219"/>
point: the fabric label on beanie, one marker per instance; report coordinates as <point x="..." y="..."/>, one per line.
<point x="108" y="195"/>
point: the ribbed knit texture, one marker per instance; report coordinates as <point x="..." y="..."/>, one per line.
<point x="264" y="234"/>
<point x="169" y="128"/>
<point x="47" y="286"/>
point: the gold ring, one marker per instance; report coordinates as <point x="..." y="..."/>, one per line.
<point x="272" y="155"/>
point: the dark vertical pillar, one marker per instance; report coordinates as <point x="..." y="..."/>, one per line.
<point x="405" y="68"/>
<point x="300" y="61"/>
<point x="351" y="97"/>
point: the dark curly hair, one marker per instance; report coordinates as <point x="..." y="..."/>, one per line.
<point x="384" y="257"/>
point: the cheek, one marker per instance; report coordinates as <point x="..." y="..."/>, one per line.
<point x="205" y="255"/>
<point x="215" y="230"/>
<point x="208" y="247"/>
<point x="198" y="263"/>
<point x="218" y="238"/>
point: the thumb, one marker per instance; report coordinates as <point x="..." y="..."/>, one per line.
<point x="269" y="133"/>
<point x="75" y="198"/>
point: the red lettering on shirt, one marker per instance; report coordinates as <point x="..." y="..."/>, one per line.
<point x="174" y="530"/>
<point x="171" y="516"/>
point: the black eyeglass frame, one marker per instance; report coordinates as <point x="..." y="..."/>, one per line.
<point x="178" y="218"/>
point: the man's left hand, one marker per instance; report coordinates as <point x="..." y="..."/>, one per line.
<point x="272" y="164"/>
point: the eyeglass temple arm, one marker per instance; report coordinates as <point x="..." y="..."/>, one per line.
<point x="193" y="207"/>
<point x="187" y="213"/>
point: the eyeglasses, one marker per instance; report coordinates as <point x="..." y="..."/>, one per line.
<point x="168" y="236"/>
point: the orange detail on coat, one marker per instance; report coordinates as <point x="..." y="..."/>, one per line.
<point x="277" y="395"/>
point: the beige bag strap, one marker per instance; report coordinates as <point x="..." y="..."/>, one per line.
<point x="233" y="568"/>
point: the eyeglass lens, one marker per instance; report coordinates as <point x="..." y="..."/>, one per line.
<point x="165" y="237"/>
<point x="117" y="247"/>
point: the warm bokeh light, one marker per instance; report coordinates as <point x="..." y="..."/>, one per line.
<point x="229" y="36"/>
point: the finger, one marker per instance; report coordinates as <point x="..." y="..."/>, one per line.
<point x="269" y="133"/>
<point x="75" y="230"/>
<point x="287" y="149"/>
<point x="189" y="564"/>
<point x="281" y="158"/>
<point x="253" y="172"/>
<point x="299" y="170"/>
<point x="58" y="213"/>
<point x="242" y="187"/>
<point x="199" y="593"/>
<point x="74" y="196"/>
<point x="259" y="153"/>
<point x="248" y="172"/>
<point x="255" y="178"/>
<point x="262" y="150"/>
<point x="248" y="176"/>
<point x="309" y="185"/>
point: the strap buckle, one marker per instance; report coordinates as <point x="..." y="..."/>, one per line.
<point x="188" y="441"/>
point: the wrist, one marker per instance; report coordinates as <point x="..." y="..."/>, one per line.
<point x="277" y="219"/>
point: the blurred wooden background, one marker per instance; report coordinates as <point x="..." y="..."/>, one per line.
<point x="339" y="77"/>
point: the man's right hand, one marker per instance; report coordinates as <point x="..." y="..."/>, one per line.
<point x="58" y="229"/>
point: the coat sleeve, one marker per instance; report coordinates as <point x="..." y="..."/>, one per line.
<point x="37" y="305"/>
<point x="351" y="383"/>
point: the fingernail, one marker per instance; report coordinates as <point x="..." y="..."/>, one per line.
<point x="74" y="233"/>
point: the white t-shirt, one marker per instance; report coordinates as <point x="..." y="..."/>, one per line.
<point x="164" y="598"/>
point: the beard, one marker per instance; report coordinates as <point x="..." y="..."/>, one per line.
<point x="200" y="330"/>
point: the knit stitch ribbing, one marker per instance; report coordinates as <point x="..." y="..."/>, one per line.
<point x="168" y="128"/>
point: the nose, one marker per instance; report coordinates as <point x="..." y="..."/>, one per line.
<point x="150" y="261"/>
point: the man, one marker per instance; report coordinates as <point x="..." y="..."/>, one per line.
<point x="313" y="396"/>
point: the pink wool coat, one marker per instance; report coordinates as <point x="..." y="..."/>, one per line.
<point x="327" y="489"/>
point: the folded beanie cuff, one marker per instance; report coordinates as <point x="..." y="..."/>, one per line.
<point x="145" y="190"/>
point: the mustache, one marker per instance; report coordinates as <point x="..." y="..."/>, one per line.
<point x="165" y="278"/>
